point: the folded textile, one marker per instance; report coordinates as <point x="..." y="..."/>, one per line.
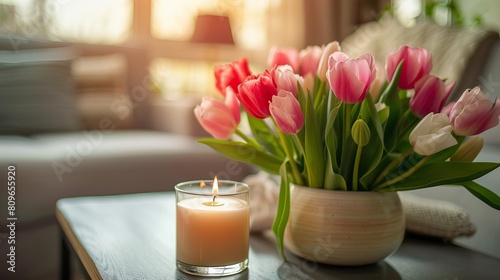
<point x="423" y="216"/>
<point x="434" y="217"/>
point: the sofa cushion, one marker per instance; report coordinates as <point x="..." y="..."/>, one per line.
<point x="102" y="90"/>
<point x="104" y="162"/>
<point x="37" y="92"/>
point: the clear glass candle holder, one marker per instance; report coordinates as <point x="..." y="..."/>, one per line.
<point x="213" y="227"/>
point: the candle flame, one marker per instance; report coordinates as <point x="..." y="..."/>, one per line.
<point x="215" y="192"/>
<point x="202" y="184"/>
<point x="215" y="188"/>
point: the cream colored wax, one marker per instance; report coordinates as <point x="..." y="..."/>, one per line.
<point x="212" y="235"/>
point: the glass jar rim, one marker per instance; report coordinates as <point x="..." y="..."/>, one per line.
<point x="239" y="187"/>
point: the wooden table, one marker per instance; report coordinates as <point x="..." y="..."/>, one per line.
<point x="133" y="237"/>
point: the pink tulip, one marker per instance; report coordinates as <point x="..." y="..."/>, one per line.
<point x="231" y="75"/>
<point x="309" y="60"/>
<point x="285" y="79"/>
<point x="417" y="62"/>
<point x="283" y="56"/>
<point x="447" y="109"/>
<point x="349" y="78"/>
<point x="473" y="113"/>
<point x="430" y="96"/>
<point x="286" y="111"/>
<point x="219" y="119"/>
<point x="255" y="94"/>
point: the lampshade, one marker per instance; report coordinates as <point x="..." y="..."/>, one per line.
<point x="212" y="29"/>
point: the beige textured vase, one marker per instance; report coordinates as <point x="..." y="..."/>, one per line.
<point x="342" y="227"/>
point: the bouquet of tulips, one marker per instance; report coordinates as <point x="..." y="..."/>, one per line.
<point x="321" y="119"/>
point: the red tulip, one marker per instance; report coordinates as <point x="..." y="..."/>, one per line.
<point x="473" y="113"/>
<point x="417" y="62"/>
<point x="309" y="60"/>
<point x="255" y="94"/>
<point x="219" y="119"/>
<point x="430" y="96"/>
<point x="286" y="111"/>
<point x="231" y="75"/>
<point x="349" y="78"/>
<point x="283" y="56"/>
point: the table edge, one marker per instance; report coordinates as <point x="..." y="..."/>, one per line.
<point x="84" y="257"/>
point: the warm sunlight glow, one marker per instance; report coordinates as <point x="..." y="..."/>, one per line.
<point x="174" y="20"/>
<point x="91" y="21"/>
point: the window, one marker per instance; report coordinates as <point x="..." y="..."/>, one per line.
<point x="91" y="21"/>
<point x="174" y="20"/>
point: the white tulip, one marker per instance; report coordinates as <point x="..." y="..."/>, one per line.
<point x="432" y="134"/>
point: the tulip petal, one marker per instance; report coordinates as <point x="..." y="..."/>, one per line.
<point x="473" y="113"/>
<point x="285" y="110"/>
<point x="432" y="134"/>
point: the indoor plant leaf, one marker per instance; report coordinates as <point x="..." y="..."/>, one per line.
<point x="244" y="152"/>
<point x="443" y="173"/>
<point x="264" y="135"/>
<point x="391" y="99"/>
<point x="283" y="210"/>
<point x="484" y="194"/>
<point x="313" y="147"/>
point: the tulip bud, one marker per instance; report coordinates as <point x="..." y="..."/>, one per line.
<point x="360" y="133"/>
<point x="469" y="150"/>
<point x="323" y="62"/>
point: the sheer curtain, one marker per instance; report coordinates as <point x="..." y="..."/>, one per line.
<point x="328" y="20"/>
<point x="286" y="23"/>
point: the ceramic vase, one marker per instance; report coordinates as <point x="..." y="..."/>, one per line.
<point x="344" y="227"/>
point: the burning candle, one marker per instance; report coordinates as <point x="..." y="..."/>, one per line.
<point x="212" y="227"/>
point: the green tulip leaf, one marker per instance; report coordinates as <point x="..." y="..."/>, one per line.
<point x="484" y="194"/>
<point x="313" y="156"/>
<point x="265" y="136"/>
<point x="391" y="99"/>
<point x="244" y="152"/>
<point x="283" y="211"/>
<point x="442" y="173"/>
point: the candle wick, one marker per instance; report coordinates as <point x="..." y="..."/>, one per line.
<point x="213" y="199"/>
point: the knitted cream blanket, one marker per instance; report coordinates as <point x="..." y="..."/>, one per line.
<point x="451" y="47"/>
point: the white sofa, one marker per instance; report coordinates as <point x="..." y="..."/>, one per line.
<point x="114" y="151"/>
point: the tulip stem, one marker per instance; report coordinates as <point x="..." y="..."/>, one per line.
<point x="319" y="94"/>
<point x="347" y="127"/>
<point x="406" y="174"/>
<point x="393" y="164"/>
<point x="356" y="168"/>
<point x="248" y="140"/>
<point x="295" y="169"/>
